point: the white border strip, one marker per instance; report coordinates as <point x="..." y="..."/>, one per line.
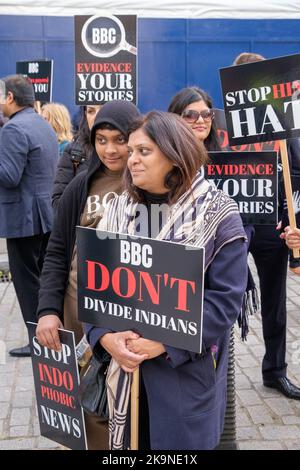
<point x="223" y="9"/>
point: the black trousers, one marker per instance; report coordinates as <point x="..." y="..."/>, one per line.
<point x="270" y="254"/>
<point x="26" y="257"/>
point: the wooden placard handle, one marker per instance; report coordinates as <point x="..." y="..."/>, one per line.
<point x="288" y="189"/>
<point x="134" y="411"/>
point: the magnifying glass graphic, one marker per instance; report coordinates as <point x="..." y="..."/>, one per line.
<point x="104" y="36"/>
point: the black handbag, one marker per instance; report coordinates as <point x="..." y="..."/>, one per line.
<point x="92" y="388"/>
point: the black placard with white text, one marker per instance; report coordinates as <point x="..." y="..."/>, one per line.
<point x="56" y="380"/>
<point x="261" y="100"/>
<point x="105" y="58"/>
<point x="251" y="179"/>
<point x="40" y="74"/>
<point x="149" y="286"/>
<point x="220" y="123"/>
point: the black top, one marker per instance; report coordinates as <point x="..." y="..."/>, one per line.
<point x="150" y="225"/>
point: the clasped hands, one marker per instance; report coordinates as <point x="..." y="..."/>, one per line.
<point x="129" y="349"/>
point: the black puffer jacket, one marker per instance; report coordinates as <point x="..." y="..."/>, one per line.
<point x="73" y="160"/>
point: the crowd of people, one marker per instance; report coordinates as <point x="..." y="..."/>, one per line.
<point x="53" y="179"/>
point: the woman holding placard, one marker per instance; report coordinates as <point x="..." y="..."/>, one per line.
<point x="82" y="203"/>
<point x="184" y="392"/>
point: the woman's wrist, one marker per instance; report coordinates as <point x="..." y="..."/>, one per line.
<point x="105" y="339"/>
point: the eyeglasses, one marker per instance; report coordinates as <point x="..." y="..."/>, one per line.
<point x="192" y="116"/>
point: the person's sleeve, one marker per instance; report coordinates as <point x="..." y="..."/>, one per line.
<point x="93" y="335"/>
<point x="250" y="231"/>
<point x="13" y="155"/>
<point x="226" y="281"/>
<point x="64" y="174"/>
<point x="55" y="273"/>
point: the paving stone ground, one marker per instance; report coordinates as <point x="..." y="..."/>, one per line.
<point x="265" y="419"/>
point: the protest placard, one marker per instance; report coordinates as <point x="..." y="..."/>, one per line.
<point x="261" y="100"/>
<point x="251" y="179"/>
<point x="105" y="58"/>
<point x="149" y="286"/>
<point x="40" y="73"/>
<point x="56" y="380"/>
<point x="261" y="103"/>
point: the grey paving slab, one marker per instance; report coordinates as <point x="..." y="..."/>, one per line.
<point x="284" y="432"/>
<point x="260" y="445"/>
<point x="261" y="415"/>
<point x="275" y="418"/>
<point x="18" y="444"/>
<point x="20" y="417"/>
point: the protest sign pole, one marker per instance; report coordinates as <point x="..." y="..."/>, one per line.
<point x="288" y="189"/>
<point x="134" y="412"/>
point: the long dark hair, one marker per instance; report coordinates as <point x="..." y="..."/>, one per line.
<point x="83" y="135"/>
<point x="190" y="95"/>
<point x="177" y="142"/>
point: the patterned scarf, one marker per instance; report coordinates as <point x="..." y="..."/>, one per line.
<point x="194" y="221"/>
<point x="118" y="385"/>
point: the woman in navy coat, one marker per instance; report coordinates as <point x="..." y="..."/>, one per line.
<point x="183" y="394"/>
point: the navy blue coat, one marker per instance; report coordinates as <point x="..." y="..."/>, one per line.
<point x="28" y="159"/>
<point x="186" y="394"/>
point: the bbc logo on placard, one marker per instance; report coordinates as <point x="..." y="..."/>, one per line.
<point x="33" y="67"/>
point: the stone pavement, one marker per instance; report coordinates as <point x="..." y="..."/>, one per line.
<point x="19" y="427"/>
<point x="265" y="419"/>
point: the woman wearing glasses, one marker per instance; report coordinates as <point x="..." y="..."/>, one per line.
<point x="196" y="108"/>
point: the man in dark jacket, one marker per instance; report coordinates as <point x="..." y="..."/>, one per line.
<point x="28" y="158"/>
